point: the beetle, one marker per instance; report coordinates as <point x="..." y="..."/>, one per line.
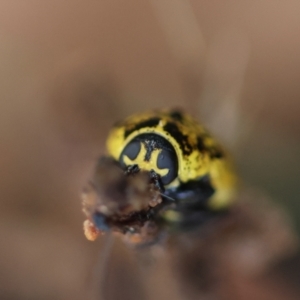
<point x="187" y="165"/>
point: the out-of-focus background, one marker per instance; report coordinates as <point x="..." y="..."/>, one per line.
<point x="70" y="69"/>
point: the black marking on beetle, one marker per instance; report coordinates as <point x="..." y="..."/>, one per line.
<point x="200" y="143"/>
<point x="213" y="151"/>
<point x="176" y="115"/>
<point x="148" y="123"/>
<point x="150" y="146"/>
<point x="180" y="138"/>
<point x="216" y="152"/>
<point x="154" y="141"/>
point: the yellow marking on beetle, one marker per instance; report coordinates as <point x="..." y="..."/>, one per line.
<point x="146" y="165"/>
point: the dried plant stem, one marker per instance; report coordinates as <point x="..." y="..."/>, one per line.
<point x="97" y="285"/>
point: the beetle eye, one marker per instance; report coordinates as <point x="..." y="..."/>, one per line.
<point x="131" y="151"/>
<point x="168" y="160"/>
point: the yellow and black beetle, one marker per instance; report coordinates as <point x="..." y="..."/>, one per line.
<point x="186" y="162"/>
<point x="187" y="167"/>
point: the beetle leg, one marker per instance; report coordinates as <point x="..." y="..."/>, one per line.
<point x="132" y="169"/>
<point x="156" y="179"/>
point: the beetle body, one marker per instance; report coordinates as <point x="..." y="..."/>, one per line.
<point x="191" y="166"/>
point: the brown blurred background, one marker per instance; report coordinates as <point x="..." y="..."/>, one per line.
<point x="70" y="69"/>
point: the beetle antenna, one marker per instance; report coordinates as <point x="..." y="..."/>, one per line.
<point x="168" y="197"/>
